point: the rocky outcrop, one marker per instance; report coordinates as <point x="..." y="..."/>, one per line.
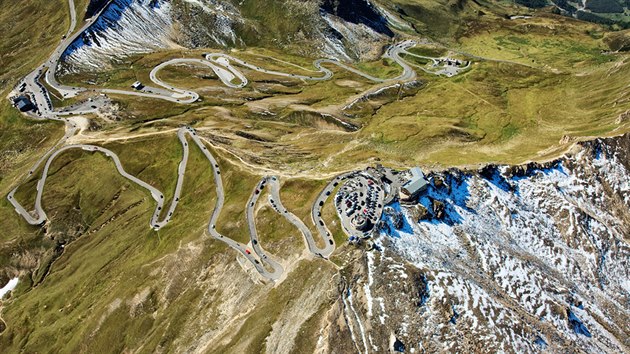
<point x="358" y="12"/>
<point x="125" y="27"/>
<point x="524" y="258"/>
<point x="345" y="30"/>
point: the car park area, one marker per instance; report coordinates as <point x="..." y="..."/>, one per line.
<point x="359" y="204"/>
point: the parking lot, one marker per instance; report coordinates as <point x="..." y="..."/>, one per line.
<point x="359" y="204"/>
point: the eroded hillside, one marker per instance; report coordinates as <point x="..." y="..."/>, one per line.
<point x="508" y="258"/>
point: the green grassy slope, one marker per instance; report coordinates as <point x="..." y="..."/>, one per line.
<point x="116" y="285"/>
<point x="120" y="282"/>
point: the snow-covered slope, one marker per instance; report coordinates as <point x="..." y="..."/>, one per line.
<point x="138" y="26"/>
<point x="125" y="27"/>
<point x="520" y="259"/>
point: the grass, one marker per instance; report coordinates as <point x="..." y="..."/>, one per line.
<point x="545" y="42"/>
<point x="30" y="33"/>
<point x="428" y="51"/>
<point x="20" y="138"/>
<point x="91" y="266"/>
<point x="238" y="185"/>
<point x="23" y="47"/>
<point x="119" y="249"/>
<point x="497" y="106"/>
<point x="119" y="286"/>
<point x="202" y="79"/>
<point x="436" y="19"/>
<point x="384" y="69"/>
<point x="298" y="195"/>
<point x="502" y="113"/>
<point x="281" y="238"/>
<point x="417" y="61"/>
<point x="329" y="214"/>
<point x="157" y="169"/>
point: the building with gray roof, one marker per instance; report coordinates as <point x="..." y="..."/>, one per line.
<point x="414" y="186"/>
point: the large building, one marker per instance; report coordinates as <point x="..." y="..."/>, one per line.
<point x="416" y="184"/>
<point x="23" y="104"/>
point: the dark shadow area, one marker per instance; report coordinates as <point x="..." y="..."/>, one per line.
<point x="94" y="7"/>
<point x="390" y="227"/>
<point x="492" y="174"/>
<point x="577" y="325"/>
<point x="108" y="19"/>
<point x="358" y="12"/>
<point x="441" y="199"/>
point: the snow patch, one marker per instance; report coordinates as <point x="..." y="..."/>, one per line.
<point x="126" y="27"/>
<point x="525" y="243"/>
<point x="10" y="285"/>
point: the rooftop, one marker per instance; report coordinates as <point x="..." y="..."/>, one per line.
<point x="416" y="183"/>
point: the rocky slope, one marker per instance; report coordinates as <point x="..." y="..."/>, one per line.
<point x="512" y="259"/>
<point x="504" y="259"/>
<point x="608" y="12"/>
<point x="346" y="30"/>
<point x="125" y="27"/>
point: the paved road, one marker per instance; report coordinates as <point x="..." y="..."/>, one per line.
<point x="276" y="203"/>
<point x="40" y="95"/>
<point x="226" y="60"/>
<point x="71" y="129"/>
<point x="394" y="188"/>
<point x="253" y="234"/>
<point x="316" y="210"/>
<point x="392" y="52"/>
<point x="434" y="60"/>
<point x="221" y="64"/>
<point x="444" y="70"/>
<point x="241" y="248"/>
<point x="38" y="216"/>
<point x="53" y="61"/>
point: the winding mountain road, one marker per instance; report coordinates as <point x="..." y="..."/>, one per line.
<point x="232" y="77"/>
<point x="38" y="215"/>
<point x="253" y="233"/>
<point x="220" y="63"/>
<point x="276" y="203"/>
<point x="316" y="211"/>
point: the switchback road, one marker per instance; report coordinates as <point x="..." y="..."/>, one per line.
<point x="220" y="63"/>
<point x="276" y="203"/>
<point x="38" y="216"/>
<point x="232" y="77"/>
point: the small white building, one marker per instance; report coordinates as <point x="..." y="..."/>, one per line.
<point x="137" y="85"/>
